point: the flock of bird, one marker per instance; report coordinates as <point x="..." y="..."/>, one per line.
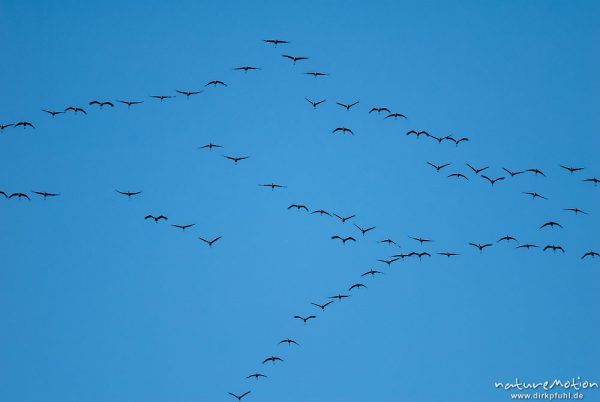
<point x="361" y="232"/>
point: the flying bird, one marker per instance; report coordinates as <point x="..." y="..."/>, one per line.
<point x="162" y="97"/>
<point x="188" y="93"/>
<point x="19" y="196"/>
<point x="239" y="397"/>
<point x="76" y="109"/>
<point x="527" y="246"/>
<point x="571" y="169"/>
<point x="364" y="230"/>
<point x="257" y="376"/>
<point x="438" y="167"/>
<point x="101" y="104"/>
<point x="551" y="224"/>
<point x="236" y="159"/>
<point x="246" y="68"/>
<point x="45" y="194"/>
<point x="395" y="116"/>
<point x="388" y="241"/>
<point x="480" y="246"/>
<point x="322" y="306"/>
<point x="316" y="74"/>
<point x="289" y="342"/>
<point x="477" y="170"/>
<point x="305" y="319"/>
<point x="52" y="112"/>
<point x="272" y="185"/>
<point x="420" y="239"/>
<point x="534" y="195"/>
<point x="130" y="103"/>
<point x="315" y="103"/>
<point x="210" y="242"/>
<point x="455" y="141"/>
<point x="24" y="124"/>
<point x="576" y="210"/>
<point x="343" y="130"/>
<point x="215" y="83"/>
<point x="184" y="227"/>
<point x="371" y="272"/>
<point x="343" y="239"/>
<point x="591" y="180"/>
<point x="389" y="262"/>
<point x="3" y="126"/>
<point x="458" y="175"/>
<point x="298" y="207"/>
<point x="339" y="297"/>
<point x="417" y="133"/>
<point x="294" y="58"/>
<point x="129" y="194"/>
<point x="511" y="173"/>
<point x="554" y="248"/>
<point x="448" y="254"/>
<point x="507" y="238"/>
<point x="379" y="110"/>
<point x="492" y="181"/>
<point x="591" y="254"/>
<point x="210" y="146"/>
<point x="536" y="172"/>
<point x="156" y="218"/>
<point x="272" y="359"/>
<point x="343" y="219"/>
<point x="357" y="286"/>
<point x="275" y="42"/>
<point x="438" y="139"/>
<point x="347" y="106"/>
<point x="320" y="212"/>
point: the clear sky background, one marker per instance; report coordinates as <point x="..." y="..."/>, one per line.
<point x="97" y="304"/>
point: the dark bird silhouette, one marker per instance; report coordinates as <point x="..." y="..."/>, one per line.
<point x="215" y="83"/>
<point x="372" y="272"/>
<point x="3" y="126"/>
<point x="321" y="212"/>
<point x="315" y="103"/>
<point x="19" y="196"/>
<point x="438" y="139"/>
<point x="294" y="58"/>
<point x="389" y="262"/>
<point x="343" y="130"/>
<point x="492" y="181"/>
<point x="344" y="239"/>
<point x="379" y="110"/>
<point x="298" y="207"/>
<point x="188" y="93"/>
<point x="343" y="219"/>
<point x="571" y="169"/>
<point x="305" y="319"/>
<point x="24" y="124"/>
<point x="511" y="173"/>
<point x="477" y="170"/>
<point x="272" y="185"/>
<point x="591" y="254"/>
<point x="272" y="359"/>
<point x="162" y="97"/>
<point x="455" y="141"/>
<point x="480" y="246"/>
<point x="45" y="194"/>
<point x="417" y="133"/>
<point x="289" y="342"/>
<point x="275" y="42"/>
<point x="210" y="146"/>
<point x="364" y="230"/>
<point x="322" y="306"/>
<point x="130" y="103"/>
<point x="256" y="376"/>
<point x="339" y="297"/>
<point x="534" y="195"/>
<point x="527" y="246"/>
<point x="245" y="69"/>
<point x="507" y="238"/>
<point x="52" y="112"/>
<point x="129" y="194"/>
<point x="316" y="74"/>
<point x="101" y="104"/>
<point x="458" y="175"/>
<point x="210" y="242"/>
<point x="576" y="210"/>
<point x="239" y="397"/>
<point x="357" y="286"/>
<point x="347" y="106"/>
<point x="388" y="241"/>
<point x="236" y="159"/>
<point x="76" y="109"/>
<point x="438" y="167"/>
<point x="591" y="180"/>
<point x="536" y="172"/>
<point x="395" y="116"/>
<point x="184" y="227"/>
<point x="551" y="224"/>
<point x="156" y="218"/>
<point x="554" y="248"/>
<point x="448" y="254"/>
<point x="4" y="194"/>
<point x="420" y="239"/>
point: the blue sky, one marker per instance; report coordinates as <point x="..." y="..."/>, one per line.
<point x="97" y="304"/>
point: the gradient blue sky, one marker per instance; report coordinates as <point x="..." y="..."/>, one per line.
<point x="97" y="304"/>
